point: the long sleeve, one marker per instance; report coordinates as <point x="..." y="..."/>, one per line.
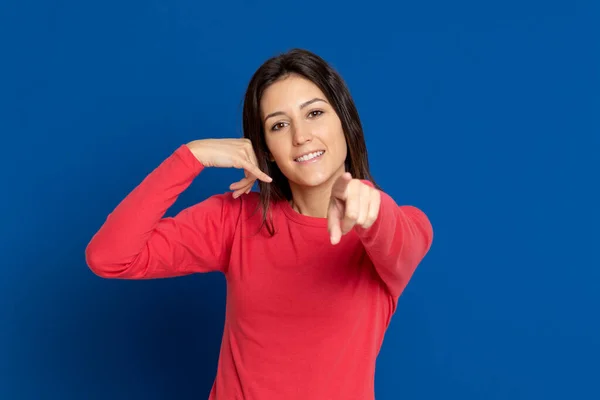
<point x="136" y="241"/>
<point x="397" y="242"/>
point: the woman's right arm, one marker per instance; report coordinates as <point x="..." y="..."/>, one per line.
<point x="136" y="241"/>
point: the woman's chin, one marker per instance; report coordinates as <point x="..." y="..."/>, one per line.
<point x="313" y="180"/>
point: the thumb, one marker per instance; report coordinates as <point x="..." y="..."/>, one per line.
<point x="338" y="190"/>
<point x="334" y="220"/>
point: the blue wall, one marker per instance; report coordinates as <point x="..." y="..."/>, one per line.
<point x="485" y="116"/>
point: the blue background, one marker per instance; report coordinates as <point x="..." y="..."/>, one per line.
<point x="483" y="114"/>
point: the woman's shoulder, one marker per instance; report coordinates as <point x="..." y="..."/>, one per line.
<point x="251" y="204"/>
<point x="223" y="209"/>
<point x="245" y="201"/>
<point x="244" y="205"/>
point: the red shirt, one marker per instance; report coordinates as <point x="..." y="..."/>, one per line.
<point x="304" y="319"/>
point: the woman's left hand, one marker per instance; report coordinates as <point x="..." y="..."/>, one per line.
<point x="352" y="203"/>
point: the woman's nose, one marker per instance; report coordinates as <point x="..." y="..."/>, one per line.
<point x="301" y="135"/>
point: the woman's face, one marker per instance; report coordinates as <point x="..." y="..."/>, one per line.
<point x="303" y="132"/>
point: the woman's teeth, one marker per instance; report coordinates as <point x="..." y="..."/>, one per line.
<point x="309" y="156"/>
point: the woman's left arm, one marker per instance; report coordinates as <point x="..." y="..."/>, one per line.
<point x="397" y="241"/>
<point x="396" y="238"/>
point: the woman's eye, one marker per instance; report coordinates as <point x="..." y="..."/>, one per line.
<point x="278" y="126"/>
<point x="315" y="113"/>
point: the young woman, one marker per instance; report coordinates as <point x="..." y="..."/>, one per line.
<point x="315" y="261"/>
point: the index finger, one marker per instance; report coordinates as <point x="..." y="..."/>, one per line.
<point x="256" y="171"/>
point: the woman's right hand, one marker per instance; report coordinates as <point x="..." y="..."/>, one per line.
<point x="230" y="153"/>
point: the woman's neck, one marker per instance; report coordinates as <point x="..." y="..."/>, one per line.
<point x="313" y="201"/>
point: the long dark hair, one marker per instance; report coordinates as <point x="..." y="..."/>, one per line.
<point x="314" y="68"/>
